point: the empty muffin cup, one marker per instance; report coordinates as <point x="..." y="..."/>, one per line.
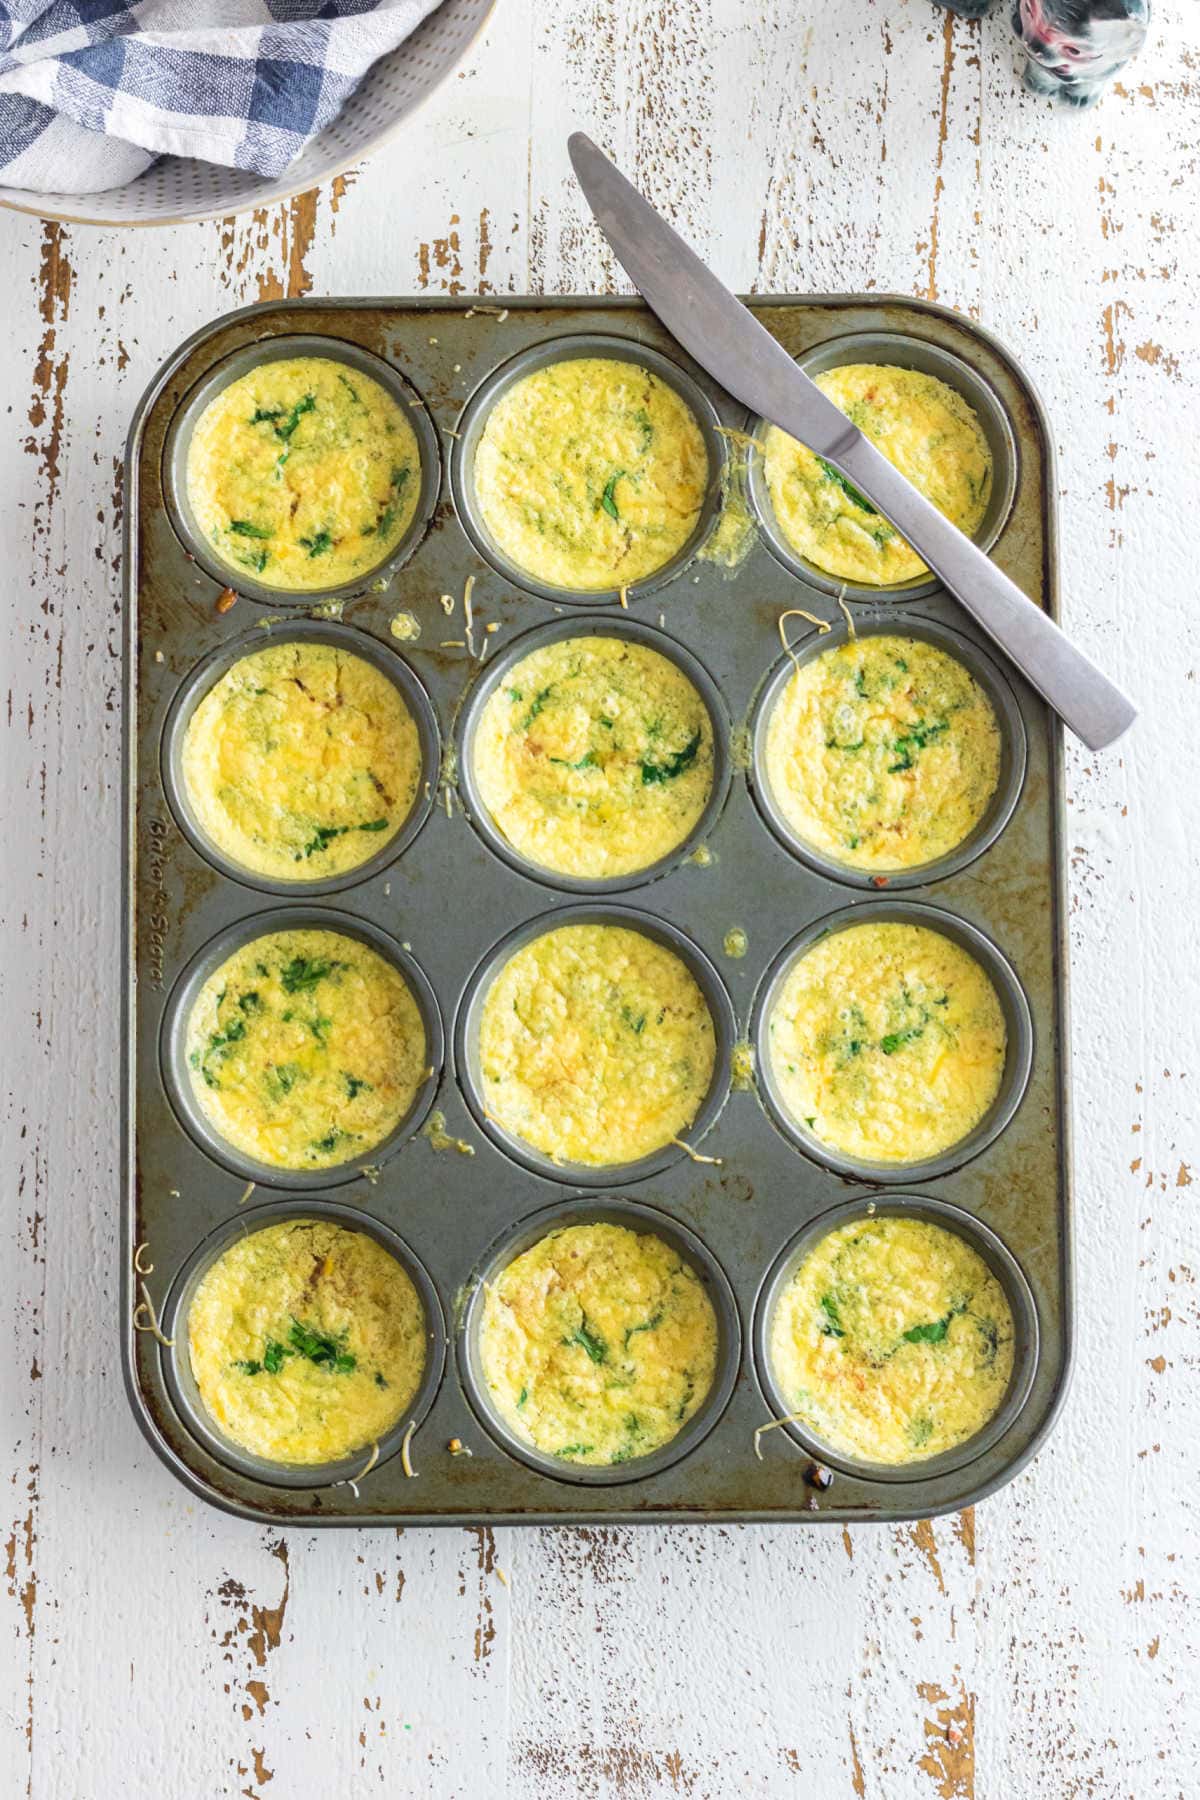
<point x="864" y="764"/>
<point x="595" y="792"/>
<point x="959" y="1378"/>
<point x="297" y="1326"/>
<point x="323" y="789"/>
<point x="645" y="1376"/>
<point x="634" y="514"/>
<point x="891" y="350"/>
<point x="955" y="1008"/>
<point x="254" y="479"/>
<point x="301" y="1045"/>
<point x="671" y="1019"/>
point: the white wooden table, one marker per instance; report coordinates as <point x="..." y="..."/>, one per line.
<point x="1048" y="1645"/>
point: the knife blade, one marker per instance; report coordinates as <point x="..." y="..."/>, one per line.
<point x="725" y="338"/>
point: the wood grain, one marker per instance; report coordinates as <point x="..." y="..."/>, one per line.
<point x="1044" y="1648"/>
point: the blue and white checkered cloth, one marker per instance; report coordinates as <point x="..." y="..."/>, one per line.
<point x="91" y="91"/>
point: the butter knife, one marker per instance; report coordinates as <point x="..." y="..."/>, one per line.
<point x="725" y="338"/>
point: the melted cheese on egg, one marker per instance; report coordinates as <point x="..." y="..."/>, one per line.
<point x="305" y="1049"/>
<point x="307" y="1341"/>
<point x="591" y="473"/>
<point x="893" y="1341"/>
<point x="883" y="753"/>
<point x="594" y="757"/>
<point x="596" y="1045"/>
<point x="598" y="1344"/>
<point x="921" y="425"/>
<point x="302" y="761"/>
<point x="887" y="1042"/>
<point x="303" y="473"/>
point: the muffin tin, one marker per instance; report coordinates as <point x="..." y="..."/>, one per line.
<point x="449" y="1192"/>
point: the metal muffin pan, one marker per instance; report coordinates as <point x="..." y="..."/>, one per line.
<point x="1013" y="751"/>
<point x="459" y="1194"/>
<point x="181" y="1382"/>
<point x="905" y="351"/>
<point x="601" y="625"/>
<point x="635" y="1217"/>
<point x="204" y="678"/>
<point x="232" y="368"/>
<point x="541" y="356"/>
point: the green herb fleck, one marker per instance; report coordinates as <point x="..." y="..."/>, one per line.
<point x="896" y="1040"/>
<point x="851" y="492"/>
<point x="607" y="499"/>
<point x="650" y="1324"/>
<point x="320" y="1349"/>
<point x="587" y="1340"/>
<point x="244" y="528"/>
<point x="273" y="1357"/>
<point x="305" y="972"/>
<point x="833" y="1326"/>
<point x="355" y="1085"/>
<point x="318" y="545"/>
<point x="673" y="765"/>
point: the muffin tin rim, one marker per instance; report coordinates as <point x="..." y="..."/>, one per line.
<point x="1013" y="764"/>
<point x="181" y="999"/>
<point x="568" y="346"/>
<point x="522" y="1234"/>
<point x="175" y="1356"/>
<point x="204" y="675"/>
<point x="988" y="1243"/>
<point x="466" y="1032"/>
<point x="1019" y="1046"/>
<point x="561" y="630"/>
<point x="229" y="368"/>
<point x="957" y="374"/>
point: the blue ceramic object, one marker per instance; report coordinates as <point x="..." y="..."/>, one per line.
<point x="1073" y="48"/>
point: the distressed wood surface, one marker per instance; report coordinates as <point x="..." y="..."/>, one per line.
<point x="1046" y="1647"/>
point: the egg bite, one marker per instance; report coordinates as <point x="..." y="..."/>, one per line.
<point x="590" y="474"/>
<point x="304" y="473"/>
<point x="924" y="427"/>
<point x="594" y="757"/>
<point x="887" y="1042"/>
<point x="598" y="1344"/>
<point x="893" y="1341"/>
<point x="302" y="761"/>
<point x="307" y="1341"/>
<point x="596" y="1045"/>
<point x="305" y="1049"/>
<point x="883" y="753"/>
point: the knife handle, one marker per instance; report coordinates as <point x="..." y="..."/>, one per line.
<point x="1095" y="709"/>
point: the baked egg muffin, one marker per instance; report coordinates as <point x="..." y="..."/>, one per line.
<point x="305" y="1049"/>
<point x="591" y="473"/>
<point x="307" y="1341"/>
<point x="893" y="1340"/>
<point x="596" y="1045"/>
<point x="924" y="427"/>
<point x="302" y="761"/>
<point x="598" y="1344"/>
<point x="594" y="757"/>
<point x="304" y="473"/>
<point x="887" y="1042"/>
<point x="883" y="753"/>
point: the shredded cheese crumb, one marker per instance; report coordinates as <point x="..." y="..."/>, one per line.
<point x="150" y="1323"/>
<point x="841" y="600"/>
<point x="141" y="1267"/>
<point x="696" y="1155"/>
<point x="468" y="614"/>
<point x="740" y="437"/>
<point x="798" y="612"/>
<point x="453" y="644"/>
<point x="245" y="1193"/>
<point x="405" y="1448"/>
<point x="623" y="596"/>
<point x="788" y="1419"/>
<point x="501" y="1576"/>
<point x="447" y="602"/>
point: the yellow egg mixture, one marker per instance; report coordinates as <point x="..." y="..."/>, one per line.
<point x="301" y="761"/>
<point x="595" y="756"/>
<point x="921" y="425"/>
<point x="307" y="1341"/>
<point x="596" y="1045"/>
<point x="591" y="473"/>
<point x="305" y="1049"/>
<point x="598" y="1344"/>
<point x="304" y="473"/>
<point x="893" y="1341"/>
<point x="883" y="753"/>
<point x="888" y="1042"/>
